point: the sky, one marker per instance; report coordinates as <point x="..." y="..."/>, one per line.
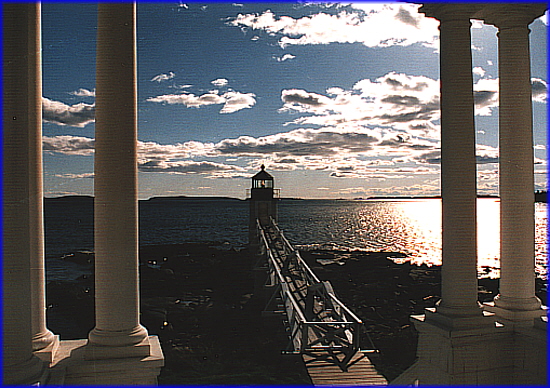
<point x="337" y="100"/>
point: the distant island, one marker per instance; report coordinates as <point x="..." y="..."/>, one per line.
<point x="186" y="198"/>
<point x="540" y="196"/>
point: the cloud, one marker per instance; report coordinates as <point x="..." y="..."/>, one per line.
<point x="88" y="175"/>
<point x="220" y="82"/>
<point x="486" y="94"/>
<point x="394" y="100"/>
<point x="191" y="149"/>
<point x="409" y="103"/>
<point x="188" y="167"/>
<point x="68" y="145"/>
<point x="78" y="145"/>
<point x="300" y="142"/>
<point x="163" y="77"/>
<point x="544" y="18"/>
<point x="540" y="89"/>
<point x="349" y="153"/>
<point x="189" y="100"/>
<point x="83" y="93"/>
<point x="78" y="115"/>
<point x="233" y="101"/>
<point x="484" y="155"/>
<point x="285" y="57"/>
<point x="300" y="98"/>
<point x="152" y="157"/>
<point x="373" y="25"/>
<point x="405" y="16"/>
<point x="478" y="71"/>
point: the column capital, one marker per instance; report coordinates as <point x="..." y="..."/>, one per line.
<point x="510" y="15"/>
<point x="447" y="12"/>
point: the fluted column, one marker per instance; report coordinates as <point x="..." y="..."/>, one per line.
<point x="458" y="163"/>
<point x="21" y="112"/>
<point x="517" y="213"/>
<point x="116" y="211"/>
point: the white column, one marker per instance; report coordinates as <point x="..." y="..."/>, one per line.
<point x="21" y="110"/>
<point x="458" y="165"/>
<point x="42" y="337"/>
<point x="516" y="173"/>
<point x="116" y="211"/>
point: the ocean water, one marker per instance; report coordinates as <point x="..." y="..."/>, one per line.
<point x="412" y="227"/>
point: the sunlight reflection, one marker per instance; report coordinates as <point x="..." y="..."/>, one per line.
<point x="423" y="221"/>
<point x="412" y="227"/>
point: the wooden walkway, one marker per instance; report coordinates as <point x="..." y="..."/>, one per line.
<point x="324" y="371"/>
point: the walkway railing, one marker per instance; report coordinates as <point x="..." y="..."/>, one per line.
<point x="316" y="318"/>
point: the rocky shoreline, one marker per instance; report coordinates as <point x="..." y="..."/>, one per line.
<point x="199" y="300"/>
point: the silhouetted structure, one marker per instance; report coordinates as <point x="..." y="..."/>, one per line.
<point x="263" y="202"/>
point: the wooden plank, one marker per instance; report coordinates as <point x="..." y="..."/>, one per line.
<point x="324" y="371"/>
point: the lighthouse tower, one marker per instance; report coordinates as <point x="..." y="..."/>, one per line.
<point x="263" y="202"/>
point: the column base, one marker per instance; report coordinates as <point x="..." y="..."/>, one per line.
<point x="29" y="372"/>
<point x="458" y="351"/>
<point x="514" y="315"/>
<point x="495" y="353"/>
<point x="103" y="352"/>
<point x="134" y="337"/>
<point x="47" y="353"/>
<point x="519" y="304"/>
<point x="447" y="321"/>
<point x="43" y="340"/>
<point x="73" y="367"/>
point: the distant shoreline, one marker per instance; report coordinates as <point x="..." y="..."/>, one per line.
<point x="540" y="196"/>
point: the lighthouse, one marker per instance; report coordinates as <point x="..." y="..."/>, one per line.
<point x="263" y="202"/>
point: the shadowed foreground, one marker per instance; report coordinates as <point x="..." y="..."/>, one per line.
<point x="198" y="299"/>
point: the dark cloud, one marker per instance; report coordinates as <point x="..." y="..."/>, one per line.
<point x="186" y="167"/>
<point x="401" y="100"/>
<point x="420" y="127"/>
<point x="427" y="112"/>
<point x="484" y="97"/>
<point x="434" y="157"/>
<point x="402" y="141"/>
<point x="396" y="84"/>
<point x="288" y="160"/>
<point x="301" y="97"/>
<point x="393" y="82"/>
<point x="345" y="168"/>
<point x="485" y="159"/>
<point x="405" y="16"/>
<point x="303" y="142"/>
